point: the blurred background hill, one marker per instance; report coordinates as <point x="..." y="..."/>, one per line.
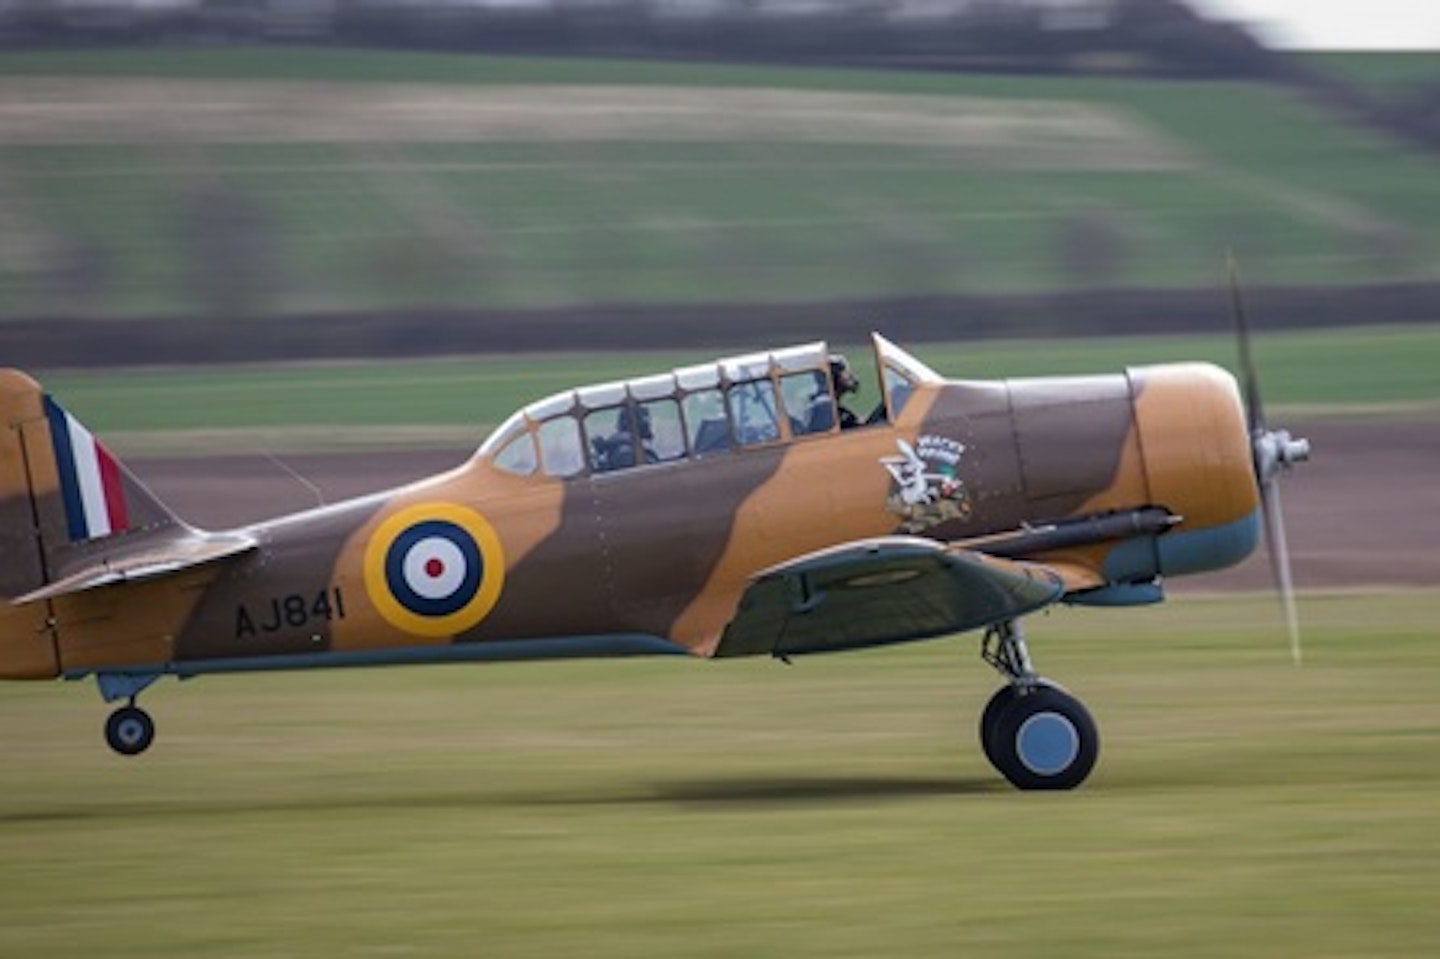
<point x="248" y="179"/>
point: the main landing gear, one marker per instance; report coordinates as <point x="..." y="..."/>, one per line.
<point x="1037" y="735"/>
<point x="129" y="730"/>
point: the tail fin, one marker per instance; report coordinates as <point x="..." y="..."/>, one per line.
<point x="63" y="496"/>
<point x="73" y="519"/>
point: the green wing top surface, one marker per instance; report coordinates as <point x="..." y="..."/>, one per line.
<point x="883" y="590"/>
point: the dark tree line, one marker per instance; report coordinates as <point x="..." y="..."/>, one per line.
<point x="62" y="341"/>
<point x="1149" y="37"/>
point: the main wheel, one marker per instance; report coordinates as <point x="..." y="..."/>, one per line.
<point x="1044" y="739"/>
<point x="129" y="730"/>
<point x="990" y="716"/>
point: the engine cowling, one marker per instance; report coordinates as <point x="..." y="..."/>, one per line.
<point x="1196" y="455"/>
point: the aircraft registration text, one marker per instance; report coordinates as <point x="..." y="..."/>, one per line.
<point x="294" y="611"/>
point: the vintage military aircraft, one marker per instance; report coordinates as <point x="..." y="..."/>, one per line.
<point x="732" y="508"/>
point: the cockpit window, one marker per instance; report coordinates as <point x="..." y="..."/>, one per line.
<point x="634" y="434"/>
<point x="899" y="387"/>
<point x="517" y="456"/>
<point x="560" y="449"/>
<point x="506" y="449"/>
<point x="903" y="374"/>
<point x="706" y="424"/>
<point x="700" y="410"/>
<point x="809" y="402"/>
<point x="753" y="411"/>
<point x="667" y="432"/>
<point x="611" y="438"/>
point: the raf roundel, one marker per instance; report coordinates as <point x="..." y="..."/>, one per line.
<point x="434" y="569"/>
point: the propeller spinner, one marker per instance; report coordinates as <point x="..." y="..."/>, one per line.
<point x="1274" y="452"/>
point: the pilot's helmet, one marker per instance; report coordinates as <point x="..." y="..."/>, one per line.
<point x="840" y="375"/>
<point x="642" y="416"/>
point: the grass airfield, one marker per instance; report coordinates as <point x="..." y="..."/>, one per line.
<point x="838" y="807"/>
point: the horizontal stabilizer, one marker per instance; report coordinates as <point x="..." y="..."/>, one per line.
<point x="882" y="590"/>
<point x="145" y="560"/>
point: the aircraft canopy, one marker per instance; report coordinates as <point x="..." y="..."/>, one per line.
<point x="750" y="400"/>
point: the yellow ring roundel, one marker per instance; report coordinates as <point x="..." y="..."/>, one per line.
<point x="434" y="569"/>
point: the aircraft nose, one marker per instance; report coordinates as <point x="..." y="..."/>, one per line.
<point x="1198" y="456"/>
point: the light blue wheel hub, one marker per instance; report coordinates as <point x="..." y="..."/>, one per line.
<point x="1047" y="743"/>
<point x="131" y="731"/>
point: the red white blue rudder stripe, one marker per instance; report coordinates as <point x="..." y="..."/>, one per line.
<point x="90" y="479"/>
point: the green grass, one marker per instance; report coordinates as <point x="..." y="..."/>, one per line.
<point x="836" y="808"/>
<point x="1332" y="369"/>
<point x="1387" y="72"/>
<point x="1304" y="199"/>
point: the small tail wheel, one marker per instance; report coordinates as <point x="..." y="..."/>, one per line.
<point x="129" y="730"/>
<point x="1043" y="738"/>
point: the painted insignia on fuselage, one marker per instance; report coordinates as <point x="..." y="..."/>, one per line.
<point x="434" y="569"/>
<point x="926" y="488"/>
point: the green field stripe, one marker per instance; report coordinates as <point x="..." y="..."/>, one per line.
<point x="1389" y="72"/>
<point x="1359" y="368"/>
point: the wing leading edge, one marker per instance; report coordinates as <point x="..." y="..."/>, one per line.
<point x="883" y="590"/>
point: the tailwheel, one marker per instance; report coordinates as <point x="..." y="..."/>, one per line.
<point x="1043" y="738"/>
<point x="129" y="730"/>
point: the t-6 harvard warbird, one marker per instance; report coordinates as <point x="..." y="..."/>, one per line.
<point x="732" y="508"/>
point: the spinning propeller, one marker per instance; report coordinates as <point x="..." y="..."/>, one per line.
<point x="1274" y="452"/>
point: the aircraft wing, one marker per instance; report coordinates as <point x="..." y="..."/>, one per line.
<point x="145" y="559"/>
<point x="882" y="590"/>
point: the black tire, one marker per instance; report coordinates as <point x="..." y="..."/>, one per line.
<point x="129" y="730"/>
<point x="990" y="716"/>
<point x="1044" y="739"/>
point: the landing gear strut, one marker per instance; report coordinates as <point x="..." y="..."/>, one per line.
<point x="129" y="730"/>
<point x="1037" y="735"/>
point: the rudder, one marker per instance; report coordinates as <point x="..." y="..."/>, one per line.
<point x="27" y="637"/>
<point x="23" y="568"/>
<point x="64" y="501"/>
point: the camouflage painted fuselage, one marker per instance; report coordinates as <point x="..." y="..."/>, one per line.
<point x="647" y="559"/>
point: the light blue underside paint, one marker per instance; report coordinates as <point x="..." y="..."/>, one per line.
<point x="569" y="647"/>
<point x="1047" y="743"/>
<point x="115" y="686"/>
<point x="1183" y="551"/>
<point x="1121" y="594"/>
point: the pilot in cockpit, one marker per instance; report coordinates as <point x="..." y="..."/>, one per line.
<point x="828" y="398"/>
<point x="844" y="382"/>
<point x="618" y="450"/>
